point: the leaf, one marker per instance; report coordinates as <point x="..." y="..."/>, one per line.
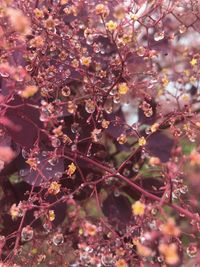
<point x="46" y="171"/>
<point x="117" y="209"/>
<point x="27" y="119"/>
<point x="160" y="145"/>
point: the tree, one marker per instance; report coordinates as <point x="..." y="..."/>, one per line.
<point x="99" y="133"/>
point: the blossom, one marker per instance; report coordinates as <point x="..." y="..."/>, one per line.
<point x="90" y="229"/>
<point x="71" y="169"/>
<point x="122" y="139"/>
<point x="193" y="61"/>
<point x="142" y="250"/>
<point x="101" y="9"/>
<point x="154" y="161"/>
<point x="142" y="141"/>
<point x="170" y="253"/>
<point x="121" y="263"/>
<point x="51" y="215"/>
<point x="154" y="127"/>
<point x="111" y="25"/>
<point x="38" y="13"/>
<point x="86" y="61"/>
<point x="138" y="208"/>
<point x="29" y="91"/>
<point x="54" y="188"/>
<point x="170" y="228"/>
<point x="123" y="88"/>
<point x="19" y="21"/>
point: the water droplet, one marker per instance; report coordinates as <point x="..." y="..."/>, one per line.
<point x="58" y="175"/>
<point x="116" y="193"/>
<point x="29" y="67"/>
<point x="184" y="189"/>
<point x="52" y="161"/>
<point x="55" y="142"/>
<point x="158" y="36"/>
<point x="27" y="233"/>
<point x="24" y="154"/>
<point x="114" y="91"/>
<point x="74" y="147"/>
<point x="182" y="29"/>
<point x="107" y="260"/>
<point x="116" y="99"/>
<point x="89" y="106"/>
<point x="47" y="226"/>
<point x="154" y="211"/>
<point x="192" y="250"/>
<point x="148" y="130"/>
<point x="66" y="91"/>
<point x="24" y="172"/>
<point x="126" y="172"/>
<point x="141" y="51"/>
<point x="75" y="128"/>
<point x="58" y="239"/>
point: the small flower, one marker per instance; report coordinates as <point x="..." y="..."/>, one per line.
<point x="111" y="25"/>
<point x="194" y="158"/>
<point x="147" y="109"/>
<point x="63" y="2"/>
<point x="54" y="188"/>
<point x="19" y="21"/>
<point x="142" y="250"/>
<point x="138" y="208"/>
<point x="105" y="124"/>
<point x="58" y="131"/>
<point x="193" y="61"/>
<point x="119" y="12"/>
<point x="154" y="127"/>
<point x="170" y="228"/>
<point x="71" y="107"/>
<point x="197" y="124"/>
<point x="126" y="38"/>
<point x="154" y="161"/>
<point x="142" y="141"/>
<point x="38" y="13"/>
<point x="16" y="211"/>
<point x="90" y="229"/>
<point x="51" y="215"/>
<point x="6" y="154"/>
<point x="185" y="97"/>
<point x="49" y="23"/>
<point x="102" y="10"/>
<point x="123" y="88"/>
<point x="134" y="17"/>
<point x="75" y="63"/>
<point x="66" y="139"/>
<point x="165" y="81"/>
<point x="86" y="61"/>
<point x="170" y="253"/>
<point x="37" y="42"/>
<point x="63" y="55"/>
<point x="29" y="91"/>
<point x="71" y="169"/>
<point x="122" y="139"/>
<point x="121" y="263"/>
<point x="32" y="162"/>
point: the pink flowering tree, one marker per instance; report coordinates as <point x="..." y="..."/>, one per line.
<point x="99" y="133"/>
